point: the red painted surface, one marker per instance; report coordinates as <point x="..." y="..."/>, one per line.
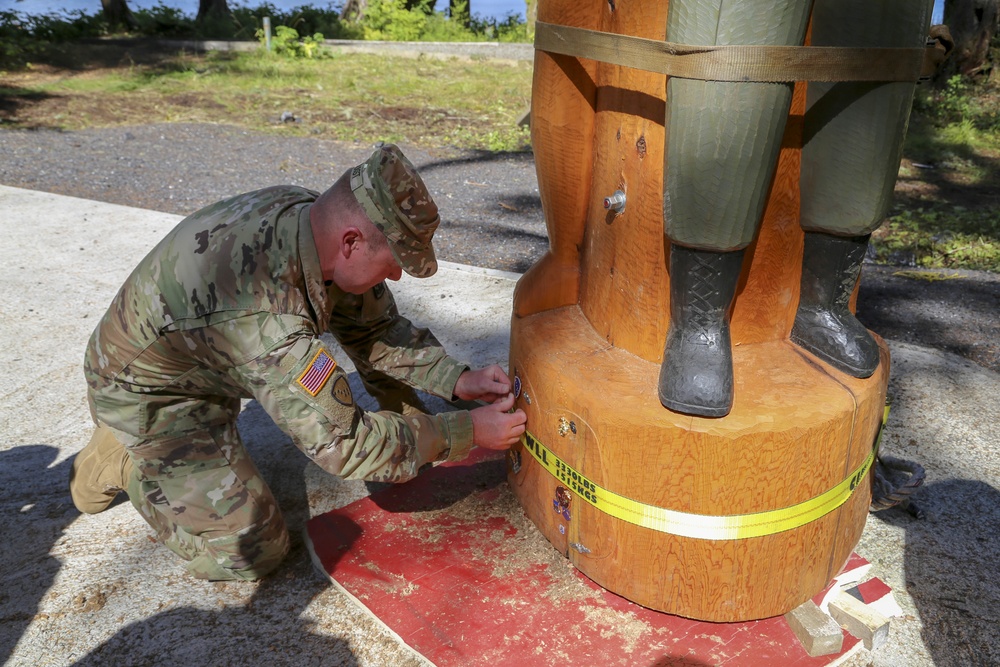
<point x="457" y="587"/>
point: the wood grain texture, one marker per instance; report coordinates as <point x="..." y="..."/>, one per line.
<point x="624" y="290"/>
<point x="562" y="133"/>
<point x="587" y="341"/>
<point x="796" y="430"/>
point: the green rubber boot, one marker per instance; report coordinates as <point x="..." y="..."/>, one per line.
<point x="696" y="376"/>
<point x="824" y="323"/>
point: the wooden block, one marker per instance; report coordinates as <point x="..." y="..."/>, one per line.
<point x="818" y="633"/>
<point x="871" y="627"/>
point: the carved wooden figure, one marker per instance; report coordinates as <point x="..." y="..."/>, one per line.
<point x="702" y="406"/>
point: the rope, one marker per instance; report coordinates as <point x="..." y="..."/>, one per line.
<point x="888" y="493"/>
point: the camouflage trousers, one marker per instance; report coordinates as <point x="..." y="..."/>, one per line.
<point x="195" y="484"/>
<point x="391" y="394"/>
<point x="208" y="503"/>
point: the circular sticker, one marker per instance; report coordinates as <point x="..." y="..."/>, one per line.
<point x="517" y="386"/>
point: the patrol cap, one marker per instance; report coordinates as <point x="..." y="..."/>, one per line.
<point x="397" y="202"/>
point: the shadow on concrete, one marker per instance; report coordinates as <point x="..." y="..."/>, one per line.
<point x="951" y="570"/>
<point x="240" y="633"/>
<point x="34" y="511"/>
<point x="441" y="487"/>
<point x="231" y="636"/>
<point x="269" y="628"/>
<point x="957" y="314"/>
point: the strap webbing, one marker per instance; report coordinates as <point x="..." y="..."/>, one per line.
<point x="737" y="63"/>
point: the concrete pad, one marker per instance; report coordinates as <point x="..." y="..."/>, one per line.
<point x="78" y="589"/>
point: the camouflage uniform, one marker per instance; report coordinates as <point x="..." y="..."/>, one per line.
<point x="231" y="305"/>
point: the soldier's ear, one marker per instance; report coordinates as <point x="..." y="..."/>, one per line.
<point x="350" y="241"/>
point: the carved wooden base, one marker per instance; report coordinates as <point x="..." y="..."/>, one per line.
<point x="797" y="429"/>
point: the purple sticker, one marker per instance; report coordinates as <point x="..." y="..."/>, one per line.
<point x="560" y="504"/>
<point x="517" y="386"/>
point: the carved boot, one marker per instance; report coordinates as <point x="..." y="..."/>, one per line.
<point x="824" y="324"/>
<point x="696" y="377"/>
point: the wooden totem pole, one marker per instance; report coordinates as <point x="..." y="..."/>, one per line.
<point x="702" y="405"/>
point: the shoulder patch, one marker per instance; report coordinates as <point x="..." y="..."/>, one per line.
<point x="341" y="391"/>
<point x="319" y="370"/>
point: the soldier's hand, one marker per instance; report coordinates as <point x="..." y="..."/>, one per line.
<point x="493" y="427"/>
<point x="487" y="384"/>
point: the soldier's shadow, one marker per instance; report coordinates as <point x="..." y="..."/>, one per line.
<point x="952" y="572"/>
<point x="269" y="628"/>
<point x="35" y="509"/>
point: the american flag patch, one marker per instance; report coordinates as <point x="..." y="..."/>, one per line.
<point x="317" y="372"/>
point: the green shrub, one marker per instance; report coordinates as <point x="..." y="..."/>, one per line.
<point x="286" y="42"/>
<point x="390" y="20"/>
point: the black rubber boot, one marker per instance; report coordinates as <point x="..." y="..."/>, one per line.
<point x="696" y="377"/>
<point x="824" y="324"/>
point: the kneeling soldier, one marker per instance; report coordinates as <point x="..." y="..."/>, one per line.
<point x="232" y="304"/>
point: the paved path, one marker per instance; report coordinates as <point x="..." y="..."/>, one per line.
<point x="97" y="590"/>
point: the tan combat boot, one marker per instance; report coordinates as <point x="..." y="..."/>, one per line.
<point x="100" y="471"/>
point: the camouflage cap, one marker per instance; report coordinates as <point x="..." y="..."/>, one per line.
<point x="397" y="202"/>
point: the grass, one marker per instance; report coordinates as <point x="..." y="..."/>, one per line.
<point x="947" y="212"/>
<point x="424" y="101"/>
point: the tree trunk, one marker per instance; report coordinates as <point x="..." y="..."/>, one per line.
<point x="354" y="10"/>
<point x="118" y="14"/>
<point x="973" y="24"/>
<point x="216" y="9"/>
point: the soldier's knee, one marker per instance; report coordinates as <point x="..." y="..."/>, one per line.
<point x="249" y="555"/>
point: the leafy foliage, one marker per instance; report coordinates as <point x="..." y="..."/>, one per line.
<point x="286" y="42"/>
<point x="384" y="20"/>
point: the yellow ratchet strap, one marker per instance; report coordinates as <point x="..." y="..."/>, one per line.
<point x="701" y="526"/>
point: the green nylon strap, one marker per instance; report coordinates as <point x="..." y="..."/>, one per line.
<point x="740" y="64"/>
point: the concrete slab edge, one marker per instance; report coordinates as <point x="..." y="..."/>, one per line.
<point x="318" y="566"/>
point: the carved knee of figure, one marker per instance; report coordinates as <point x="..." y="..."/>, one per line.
<point x="824" y="323"/>
<point x="696" y="376"/>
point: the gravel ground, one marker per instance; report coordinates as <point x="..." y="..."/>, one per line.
<point x="944" y="567"/>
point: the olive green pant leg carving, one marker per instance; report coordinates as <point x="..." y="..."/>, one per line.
<point x="208" y="503"/>
<point x="722" y="147"/>
<point x="852" y="144"/>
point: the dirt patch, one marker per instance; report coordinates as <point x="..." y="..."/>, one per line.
<point x="92" y="599"/>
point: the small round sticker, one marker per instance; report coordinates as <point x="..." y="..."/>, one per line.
<point x="517" y="386"/>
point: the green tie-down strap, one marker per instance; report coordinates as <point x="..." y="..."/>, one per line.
<point x="740" y="63"/>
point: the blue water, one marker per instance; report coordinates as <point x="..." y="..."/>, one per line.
<point x="485" y="8"/>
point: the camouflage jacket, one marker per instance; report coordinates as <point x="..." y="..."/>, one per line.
<point x="231" y="304"/>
